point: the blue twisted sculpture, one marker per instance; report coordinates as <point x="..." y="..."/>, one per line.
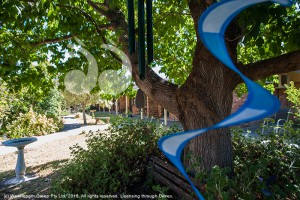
<point x="260" y="102"/>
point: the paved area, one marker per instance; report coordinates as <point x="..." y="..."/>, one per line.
<point x="72" y="128"/>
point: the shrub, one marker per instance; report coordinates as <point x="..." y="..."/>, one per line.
<point x="268" y="166"/>
<point x="113" y="161"/>
<point x="13" y="104"/>
<point x="53" y="104"/>
<point x="264" y="167"/>
<point x="59" y="123"/>
<point x="293" y="96"/>
<point x="32" y="124"/>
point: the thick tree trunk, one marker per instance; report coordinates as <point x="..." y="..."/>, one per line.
<point x="213" y="147"/>
<point x="204" y="100"/>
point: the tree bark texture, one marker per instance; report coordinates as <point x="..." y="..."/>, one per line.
<point x="204" y="100"/>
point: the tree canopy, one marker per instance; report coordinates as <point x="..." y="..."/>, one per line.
<point x="263" y="40"/>
<point x="35" y="32"/>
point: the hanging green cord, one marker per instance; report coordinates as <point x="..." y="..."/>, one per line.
<point x="131" y="32"/>
<point x="149" y="31"/>
<point x="141" y="26"/>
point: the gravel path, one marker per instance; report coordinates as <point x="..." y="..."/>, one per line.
<point x="53" y="151"/>
<point x="42" y="160"/>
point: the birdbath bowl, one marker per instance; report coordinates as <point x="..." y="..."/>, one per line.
<point x="20" y="167"/>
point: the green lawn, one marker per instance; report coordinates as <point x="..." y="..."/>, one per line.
<point x="102" y="114"/>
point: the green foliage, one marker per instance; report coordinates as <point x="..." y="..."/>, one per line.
<point x="26" y="38"/>
<point x="16" y="105"/>
<point x="293" y="95"/>
<point x="32" y="124"/>
<point x="174" y="26"/>
<point x="83" y="100"/>
<point x="216" y="183"/>
<point x="113" y="161"/>
<point x="4" y="102"/>
<point x="27" y="41"/>
<point x="269" y="163"/>
<point x="264" y="167"/>
<point x="269" y="32"/>
<point x="161" y="190"/>
<point x="267" y="83"/>
<point x="20" y="101"/>
<point x="35" y="36"/>
<point x="53" y="104"/>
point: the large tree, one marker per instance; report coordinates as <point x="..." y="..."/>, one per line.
<point x="263" y="40"/>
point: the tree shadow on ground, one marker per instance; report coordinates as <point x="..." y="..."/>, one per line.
<point x="69" y="127"/>
<point x="42" y="185"/>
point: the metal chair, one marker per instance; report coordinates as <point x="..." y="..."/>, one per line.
<point x="280" y="122"/>
<point x="276" y="122"/>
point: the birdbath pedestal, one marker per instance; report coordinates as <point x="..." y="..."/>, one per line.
<point x="20" y="167"/>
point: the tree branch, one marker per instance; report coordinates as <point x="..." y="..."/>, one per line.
<point x="98" y="27"/>
<point x="116" y="18"/>
<point x="98" y="8"/>
<point x="167" y="14"/>
<point x="113" y="54"/>
<point x="103" y="5"/>
<point x="155" y="87"/>
<point x="88" y="17"/>
<point x="48" y="41"/>
<point x="277" y="65"/>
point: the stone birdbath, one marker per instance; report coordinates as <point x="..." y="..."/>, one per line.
<point x="20" y="167"/>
